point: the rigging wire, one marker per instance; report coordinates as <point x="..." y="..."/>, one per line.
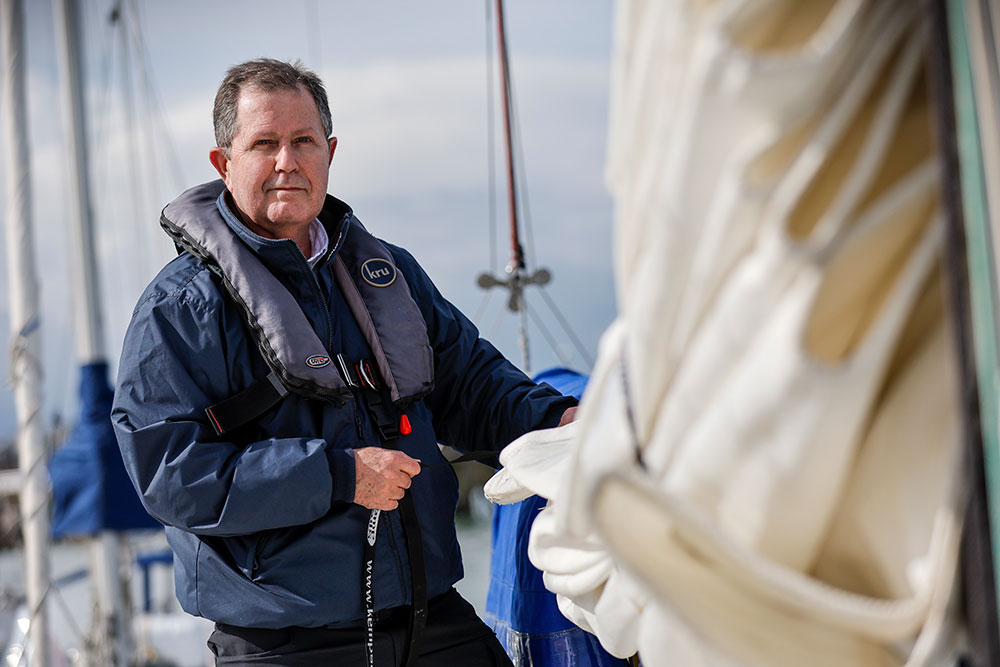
<point x="491" y="333"/>
<point x="134" y="31"/>
<point x="549" y="338"/>
<point x="519" y="206"/>
<point x="491" y="140"/>
<point x="141" y="258"/>
<point x="147" y="176"/>
<point x="102" y="119"/>
<point x="580" y="348"/>
<point x="157" y="248"/>
<point x="74" y="627"/>
<point x="530" y="241"/>
<point x="115" y="244"/>
<point x="481" y="310"/>
<point x="519" y="170"/>
<point x="521" y="173"/>
<point x="517" y="252"/>
<point x="153" y="105"/>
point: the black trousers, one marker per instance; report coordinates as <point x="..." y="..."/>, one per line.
<point x="454" y="637"/>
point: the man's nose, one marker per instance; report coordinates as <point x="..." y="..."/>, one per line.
<point x="285" y="159"/>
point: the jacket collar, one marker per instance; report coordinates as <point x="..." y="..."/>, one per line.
<point x="282" y="256"/>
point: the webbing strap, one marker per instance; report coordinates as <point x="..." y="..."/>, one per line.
<point x="418" y="576"/>
<point x="363" y="378"/>
<point x="367" y="592"/>
<point x="247" y="405"/>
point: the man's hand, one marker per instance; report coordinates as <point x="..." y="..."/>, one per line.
<point x="567" y="416"/>
<point x="382" y="476"/>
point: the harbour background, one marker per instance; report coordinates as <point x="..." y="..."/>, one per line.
<point x="70" y="600"/>
<point x="411" y="104"/>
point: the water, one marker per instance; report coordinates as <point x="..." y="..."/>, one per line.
<point x="474" y="538"/>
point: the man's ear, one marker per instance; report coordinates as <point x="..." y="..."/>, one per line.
<point x="217" y="156"/>
<point x="333" y="147"/>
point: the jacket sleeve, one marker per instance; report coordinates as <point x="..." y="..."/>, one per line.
<point x="480" y="400"/>
<point x="173" y="366"/>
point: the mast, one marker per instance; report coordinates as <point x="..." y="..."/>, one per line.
<point x="517" y="252"/>
<point x="25" y="366"/>
<point x="517" y="275"/>
<point x="86" y="298"/>
<point x="112" y="632"/>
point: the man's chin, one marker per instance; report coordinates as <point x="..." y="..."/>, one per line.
<point x="291" y="216"/>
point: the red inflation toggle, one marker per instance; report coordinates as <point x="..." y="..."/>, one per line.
<point x="404" y="425"/>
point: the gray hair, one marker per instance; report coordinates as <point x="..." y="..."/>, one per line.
<point x="264" y="74"/>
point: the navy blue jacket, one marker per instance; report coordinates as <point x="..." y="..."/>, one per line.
<point x="261" y="521"/>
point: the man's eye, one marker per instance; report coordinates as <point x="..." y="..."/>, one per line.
<point x="263" y="142"/>
<point x="304" y="140"/>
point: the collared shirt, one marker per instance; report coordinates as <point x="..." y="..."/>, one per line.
<point x="319" y="240"/>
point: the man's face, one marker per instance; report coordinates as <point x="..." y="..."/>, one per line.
<point x="279" y="161"/>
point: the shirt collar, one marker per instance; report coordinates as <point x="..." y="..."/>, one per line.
<point x="319" y="240"/>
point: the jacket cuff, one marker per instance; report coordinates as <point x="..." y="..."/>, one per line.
<point x="342" y="470"/>
<point x="555" y="411"/>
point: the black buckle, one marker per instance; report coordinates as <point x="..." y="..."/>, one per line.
<point x="388" y="430"/>
<point x="365" y="378"/>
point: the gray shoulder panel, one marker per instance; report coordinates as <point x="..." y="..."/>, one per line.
<point x="282" y="331"/>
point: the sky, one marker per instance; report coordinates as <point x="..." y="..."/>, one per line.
<point x="408" y="86"/>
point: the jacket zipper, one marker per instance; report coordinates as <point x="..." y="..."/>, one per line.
<point x="357" y="417"/>
<point x="258" y="549"/>
<point x="326" y="311"/>
<point x="321" y="265"/>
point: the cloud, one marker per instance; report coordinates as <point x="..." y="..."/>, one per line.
<point x="424" y="124"/>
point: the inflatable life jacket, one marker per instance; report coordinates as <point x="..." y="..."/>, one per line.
<point x="376" y="293"/>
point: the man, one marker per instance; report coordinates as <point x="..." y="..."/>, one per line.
<point x="283" y="386"/>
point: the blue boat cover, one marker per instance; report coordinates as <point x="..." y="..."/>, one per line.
<point x="90" y="489"/>
<point x="522" y="613"/>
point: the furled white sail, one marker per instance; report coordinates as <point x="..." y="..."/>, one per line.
<point x="765" y="466"/>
